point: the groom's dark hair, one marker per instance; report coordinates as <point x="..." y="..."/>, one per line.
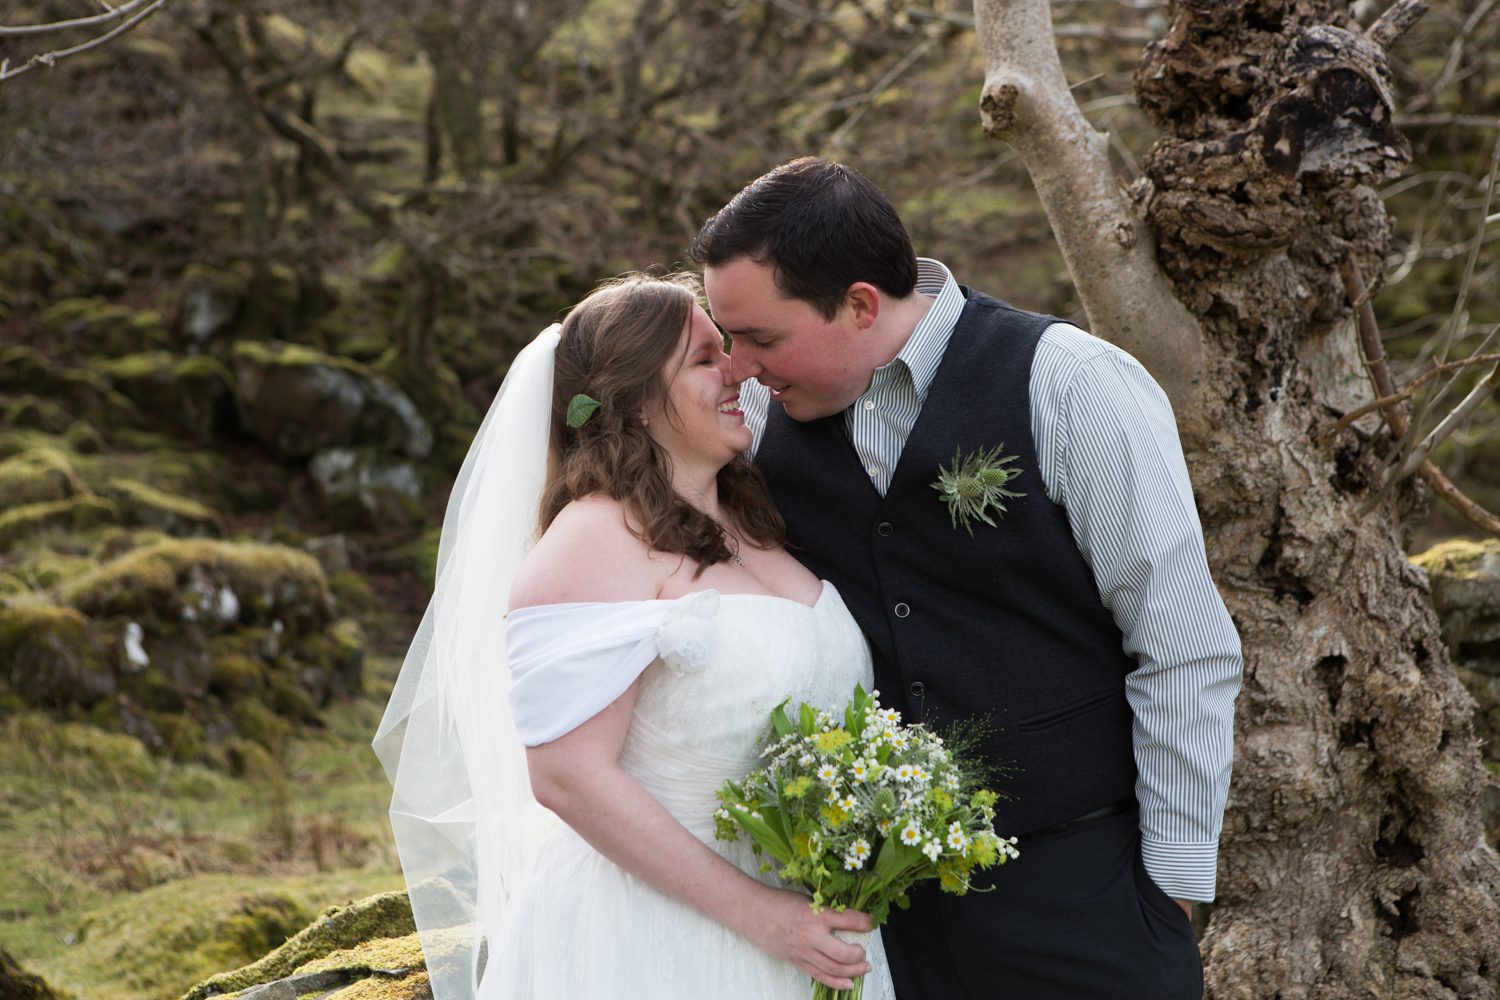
<point x="821" y="226"/>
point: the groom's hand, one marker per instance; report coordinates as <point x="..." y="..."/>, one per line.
<point x="1187" y="907"/>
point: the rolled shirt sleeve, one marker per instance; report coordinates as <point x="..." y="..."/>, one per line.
<point x="1107" y="443"/>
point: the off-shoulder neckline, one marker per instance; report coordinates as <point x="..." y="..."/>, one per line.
<point x="823" y="590"/>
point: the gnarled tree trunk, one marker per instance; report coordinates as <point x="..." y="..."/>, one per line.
<point x="1353" y="860"/>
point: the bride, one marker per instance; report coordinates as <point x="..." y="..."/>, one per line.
<point x="651" y="629"/>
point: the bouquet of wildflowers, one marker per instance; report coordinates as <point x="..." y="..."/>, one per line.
<point x="856" y="809"/>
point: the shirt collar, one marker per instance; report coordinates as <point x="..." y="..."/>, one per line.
<point x="923" y="351"/>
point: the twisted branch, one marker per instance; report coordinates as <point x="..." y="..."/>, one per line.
<point x="1395" y="417"/>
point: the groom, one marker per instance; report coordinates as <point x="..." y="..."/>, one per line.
<point x="1082" y="623"/>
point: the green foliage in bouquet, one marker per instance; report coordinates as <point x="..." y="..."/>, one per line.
<point x="857" y="810"/>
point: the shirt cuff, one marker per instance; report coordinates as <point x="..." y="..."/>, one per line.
<point x="1183" y="871"/>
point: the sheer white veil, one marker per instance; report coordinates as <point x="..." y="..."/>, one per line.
<point x="461" y="809"/>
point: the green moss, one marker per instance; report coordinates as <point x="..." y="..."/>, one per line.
<point x="1457" y="556"/>
<point x="36" y="475"/>
<point x="352" y="593"/>
<point x="22" y="368"/>
<point x="98" y="327"/>
<point x="52" y="657"/>
<point x="77" y="513"/>
<point x="35" y="412"/>
<point x="157" y="942"/>
<point x="387" y="915"/>
<point x="18" y="984"/>
<point x="234" y="674"/>
<point x="272" y="354"/>
<point x="145" y="505"/>
<point x="83" y="438"/>
<point x="270" y="581"/>
<point x="260" y="725"/>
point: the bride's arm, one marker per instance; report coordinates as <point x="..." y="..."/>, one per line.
<point x="579" y="777"/>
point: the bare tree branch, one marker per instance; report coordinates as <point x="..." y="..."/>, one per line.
<point x="112" y="14"/>
<point x="1451" y="422"/>
<point x="1406" y="392"/>
<point x="1380" y="373"/>
<point x="1109" y="251"/>
<point x="1395" y="22"/>
<point x="8" y="72"/>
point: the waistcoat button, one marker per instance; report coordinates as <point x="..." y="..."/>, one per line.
<point x="885" y="528"/>
<point x="902" y="610"/>
<point x="918" y="689"/>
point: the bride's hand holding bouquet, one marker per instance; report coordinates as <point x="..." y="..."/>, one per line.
<point x="857" y="809"/>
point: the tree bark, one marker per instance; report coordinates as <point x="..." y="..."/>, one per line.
<point x="1353" y="859"/>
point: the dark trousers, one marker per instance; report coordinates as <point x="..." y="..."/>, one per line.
<point x="1076" y="917"/>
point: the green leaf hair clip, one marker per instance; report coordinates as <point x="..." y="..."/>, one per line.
<point x="580" y="408"/>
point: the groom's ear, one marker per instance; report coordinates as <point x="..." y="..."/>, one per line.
<point x="862" y="299"/>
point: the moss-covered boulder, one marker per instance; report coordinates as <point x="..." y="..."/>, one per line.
<point x="363" y="488"/>
<point x="18" y="984"/>
<point x="81" y="391"/>
<point x="351" y="938"/>
<point x="300" y="402"/>
<point x="209" y="304"/>
<point x="52" y="657"/>
<point x="205" y="581"/>
<point x="37" y="475"/>
<point x="146" y="506"/>
<point x="96" y="327"/>
<point x="34" y="413"/>
<point x="28" y="522"/>
<point x="213" y="641"/>
<point x="189" y="396"/>
<point x="1465" y="580"/>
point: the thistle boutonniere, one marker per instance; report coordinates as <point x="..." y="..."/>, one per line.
<point x="975" y="486"/>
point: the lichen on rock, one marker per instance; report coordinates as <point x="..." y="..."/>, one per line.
<point x="339" y="928"/>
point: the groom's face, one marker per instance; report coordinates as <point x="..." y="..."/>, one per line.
<point x="811" y="365"/>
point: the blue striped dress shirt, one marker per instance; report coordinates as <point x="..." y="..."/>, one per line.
<point x="1107" y="443"/>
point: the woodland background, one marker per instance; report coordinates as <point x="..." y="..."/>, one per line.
<point x="262" y="267"/>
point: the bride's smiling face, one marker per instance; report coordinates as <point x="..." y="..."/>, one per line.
<point x="699" y="422"/>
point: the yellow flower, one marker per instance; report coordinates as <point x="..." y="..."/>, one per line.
<point x="833" y="816"/>
<point x="797" y="787"/>
<point x="833" y="740"/>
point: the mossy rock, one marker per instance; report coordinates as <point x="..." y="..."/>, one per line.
<point x="30" y="272"/>
<point x="36" y="413"/>
<point x="31" y="520"/>
<point x="18" y="984"/>
<point x="190" y="395"/>
<point x="22" y="368"/>
<point x="338" y="929"/>
<point x="178" y="579"/>
<point x="37" y="475"/>
<point x="209" y="304"/>
<point x="96" y="327"/>
<point x="52" y="657"/>
<point x="300" y="402"/>
<point x="364" y="488"/>
<point x="1465" y="579"/>
<point x="149" y="507"/>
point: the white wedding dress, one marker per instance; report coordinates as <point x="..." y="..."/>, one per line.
<point x="578" y="927"/>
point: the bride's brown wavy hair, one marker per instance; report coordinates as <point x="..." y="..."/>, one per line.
<point x="615" y="346"/>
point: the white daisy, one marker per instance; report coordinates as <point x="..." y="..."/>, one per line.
<point x="911" y="834"/>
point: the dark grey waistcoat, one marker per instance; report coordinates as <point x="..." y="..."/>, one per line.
<point x="1006" y="624"/>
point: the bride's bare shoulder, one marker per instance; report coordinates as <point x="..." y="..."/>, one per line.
<point x="587" y="553"/>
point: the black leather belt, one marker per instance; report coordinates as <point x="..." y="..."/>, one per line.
<point x="1113" y="809"/>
